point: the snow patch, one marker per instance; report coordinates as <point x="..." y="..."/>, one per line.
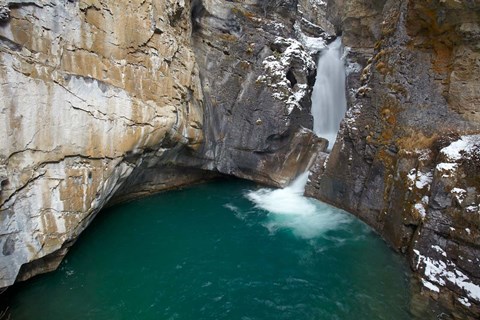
<point x="425" y="199"/>
<point x="313" y="44"/>
<point x="276" y="25"/>
<point x="439" y="272"/>
<point x="460" y="194"/>
<point x="276" y="67"/>
<point x="318" y="2"/>
<point x="419" y="179"/>
<point x="464" y="301"/>
<point x="352" y="115"/>
<point x="420" y="209"/>
<point x="447" y="169"/>
<point x="472" y="209"/>
<point x="439" y="250"/>
<point x="325" y="162"/>
<point x="465" y="147"/>
<point x="423" y="180"/>
<point x="430" y="285"/>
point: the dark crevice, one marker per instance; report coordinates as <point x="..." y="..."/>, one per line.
<point x="10" y="44"/>
<point x="291" y="78"/>
<point x="196" y="14"/>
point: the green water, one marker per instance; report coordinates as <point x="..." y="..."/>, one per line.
<point x="208" y="252"/>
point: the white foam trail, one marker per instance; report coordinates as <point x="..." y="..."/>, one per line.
<point x="328" y="97"/>
<point x="289" y="209"/>
<point x="289" y="201"/>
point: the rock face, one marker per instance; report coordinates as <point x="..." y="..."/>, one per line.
<point x="407" y="158"/>
<point x="85" y="98"/>
<point x="102" y="101"/>
<point x="257" y="80"/>
<point x="105" y="100"/>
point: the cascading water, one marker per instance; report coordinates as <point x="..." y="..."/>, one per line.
<point x="287" y="207"/>
<point x="328" y="98"/>
<point x="288" y="200"/>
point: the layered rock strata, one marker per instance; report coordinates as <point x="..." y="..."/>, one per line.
<point x="87" y="88"/>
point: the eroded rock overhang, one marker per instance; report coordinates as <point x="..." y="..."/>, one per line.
<point x="104" y="99"/>
<point x="89" y="90"/>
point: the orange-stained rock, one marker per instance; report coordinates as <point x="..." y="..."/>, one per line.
<point x="86" y="87"/>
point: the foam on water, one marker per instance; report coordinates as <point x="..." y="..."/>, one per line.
<point x="289" y="209"/>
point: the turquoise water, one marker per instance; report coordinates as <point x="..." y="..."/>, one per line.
<point x="212" y="252"/>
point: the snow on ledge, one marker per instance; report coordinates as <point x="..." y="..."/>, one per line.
<point x="459" y="193"/>
<point x="430" y="286"/>
<point x="437" y="272"/>
<point x="419" y="179"/>
<point x="276" y="67"/>
<point x="312" y="44"/>
<point x="465" y="147"/>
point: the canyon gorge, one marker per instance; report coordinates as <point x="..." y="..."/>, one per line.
<point x="104" y="101"/>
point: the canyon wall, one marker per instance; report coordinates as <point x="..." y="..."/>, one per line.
<point x="89" y="90"/>
<point x="102" y="101"/>
<point x="257" y="74"/>
<point x="407" y="158"/>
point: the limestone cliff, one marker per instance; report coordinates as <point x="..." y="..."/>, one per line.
<point x="88" y="90"/>
<point x="407" y="159"/>
<point x="102" y="100"/>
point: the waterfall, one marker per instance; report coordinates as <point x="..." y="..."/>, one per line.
<point x="287" y="207"/>
<point x="328" y="98"/>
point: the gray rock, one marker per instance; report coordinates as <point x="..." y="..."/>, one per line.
<point x="4" y="13"/>
<point x="92" y="116"/>
<point x="389" y="166"/>
<point x="257" y="80"/>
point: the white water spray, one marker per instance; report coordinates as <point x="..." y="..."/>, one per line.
<point x="328" y="97"/>
<point x="289" y="209"/>
<point x="288" y="200"/>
